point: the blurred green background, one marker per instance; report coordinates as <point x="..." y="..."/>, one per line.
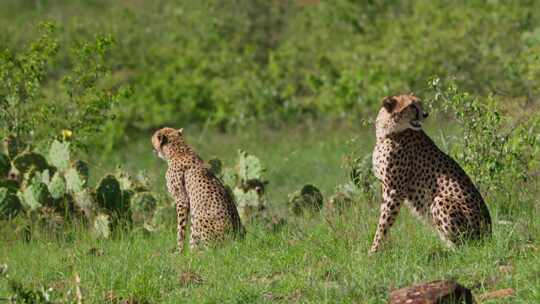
<point x="234" y="64"/>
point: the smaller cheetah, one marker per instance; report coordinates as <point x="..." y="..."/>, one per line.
<point x="197" y="192"/>
<point x="413" y="170"/>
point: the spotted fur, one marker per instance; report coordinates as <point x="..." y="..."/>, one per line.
<point x="197" y="192"/>
<point x="413" y="170"/>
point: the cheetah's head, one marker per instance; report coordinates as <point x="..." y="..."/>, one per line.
<point x="166" y="140"/>
<point x="399" y="113"/>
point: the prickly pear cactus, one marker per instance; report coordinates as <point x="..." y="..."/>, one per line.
<point x="249" y="167"/>
<point x="229" y="177"/>
<point x="102" y="226"/>
<point x="36" y="195"/>
<point x="59" y="155"/>
<point x="125" y="180"/>
<point x="307" y="199"/>
<point x="109" y="195"/>
<point x="27" y="160"/>
<point x="45" y="177"/>
<point x="85" y="202"/>
<point x="215" y="166"/>
<point x="57" y="186"/>
<point x="5" y="166"/>
<point x="11" y="185"/>
<point x="128" y="183"/>
<point x="249" y="203"/>
<point x="75" y="182"/>
<point x="82" y="168"/>
<point x="143" y="205"/>
<point x="343" y="198"/>
<point x="10" y="205"/>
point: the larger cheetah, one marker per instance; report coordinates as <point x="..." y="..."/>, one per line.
<point x="197" y="192"/>
<point x="413" y="170"/>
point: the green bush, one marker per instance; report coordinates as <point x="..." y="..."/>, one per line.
<point x="232" y="63"/>
<point x="42" y="97"/>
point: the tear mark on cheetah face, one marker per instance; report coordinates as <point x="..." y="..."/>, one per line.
<point x="165" y="140"/>
<point x="399" y="113"/>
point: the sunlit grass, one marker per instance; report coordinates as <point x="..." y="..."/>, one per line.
<point x="320" y="258"/>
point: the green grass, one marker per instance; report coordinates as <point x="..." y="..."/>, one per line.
<point x="313" y="259"/>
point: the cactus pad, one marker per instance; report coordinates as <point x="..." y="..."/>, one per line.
<point x="215" y="166"/>
<point x="82" y="168"/>
<point x="249" y="167"/>
<point x="57" y="186"/>
<point x="109" y="195"/>
<point x="59" y="155"/>
<point x="143" y="205"/>
<point x="309" y="198"/>
<point x="11" y="185"/>
<point x="36" y="195"/>
<point x="102" y="226"/>
<point x="229" y="177"/>
<point x="74" y="181"/>
<point x="85" y="202"/>
<point x="10" y="205"/>
<point x="249" y="203"/>
<point x="27" y="160"/>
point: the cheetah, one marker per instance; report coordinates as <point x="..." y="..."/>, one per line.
<point x="412" y="169"/>
<point x="197" y="193"/>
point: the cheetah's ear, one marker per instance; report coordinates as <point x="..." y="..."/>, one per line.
<point x="180" y="131"/>
<point x="389" y="103"/>
<point x="163" y="140"/>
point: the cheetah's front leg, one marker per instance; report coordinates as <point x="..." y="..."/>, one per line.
<point x="389" y="210"/>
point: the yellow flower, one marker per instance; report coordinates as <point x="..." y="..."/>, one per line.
<point x="66" y="134"/>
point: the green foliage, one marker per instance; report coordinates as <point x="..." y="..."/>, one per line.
<point x="271" y="61"/>
<point x="493" y="148"/>
<point x="34" y="92"/>
<point x="362" y="177"/>
<point x="309" y="199"/>
<point x="10" y="204"/>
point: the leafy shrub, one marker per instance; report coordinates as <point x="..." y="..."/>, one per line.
<point x="498" y="150"/>
<point x="232" y="63"/>
<point x="72" y="98"/>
